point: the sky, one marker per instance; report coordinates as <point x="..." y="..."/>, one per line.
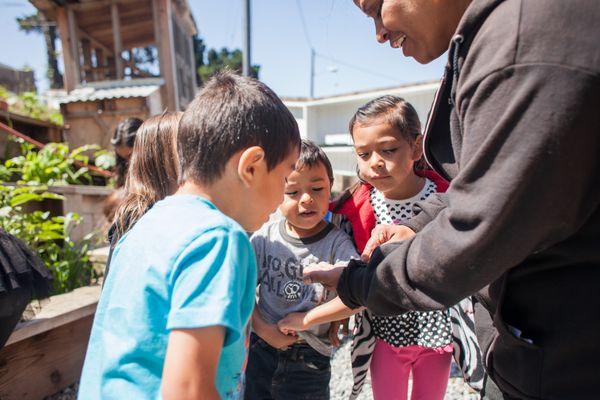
<point x="349" y="58"/>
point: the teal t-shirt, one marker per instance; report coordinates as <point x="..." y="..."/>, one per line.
<point x="183" y="265"/>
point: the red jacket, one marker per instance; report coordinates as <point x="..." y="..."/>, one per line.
<point x="355" y="205"/>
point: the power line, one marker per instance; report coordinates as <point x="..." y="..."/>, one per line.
<point x="304" y="28"/>
<point x="361" y="69"/>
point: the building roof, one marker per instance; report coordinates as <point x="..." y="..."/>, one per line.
<point x="94" y="19"/>
<point x="113" y="90"/>
<point x="306" y="101"/>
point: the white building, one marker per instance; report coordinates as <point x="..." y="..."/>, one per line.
<point x="325" y="120"/>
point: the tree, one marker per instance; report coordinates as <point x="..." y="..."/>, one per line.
<point x="38" y="23"/>
<point x="215" y="61"/>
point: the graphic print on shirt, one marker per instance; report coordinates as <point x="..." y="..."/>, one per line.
<point x="283" y="277"/>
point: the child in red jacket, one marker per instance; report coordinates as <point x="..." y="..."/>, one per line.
<point x="388" y="143"/>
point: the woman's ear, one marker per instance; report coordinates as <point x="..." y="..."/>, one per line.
<point x="252" y="165"/>
<point x="418" y="148"/>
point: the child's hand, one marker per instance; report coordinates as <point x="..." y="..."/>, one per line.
<point x="334" y="329"/>
<point x="275" y="338"/>
<point x="383" y="234"/>
<point x="293" y="322"/>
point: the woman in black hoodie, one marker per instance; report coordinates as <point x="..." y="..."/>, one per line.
<point x="516" y="129"/>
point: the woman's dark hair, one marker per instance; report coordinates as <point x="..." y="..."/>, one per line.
<point x="153" y="172"/>
<point x="124" y="136"/>
<point x="230" y="114"/>
<point x="394" y="111"/>
<point x="311" y="155"/>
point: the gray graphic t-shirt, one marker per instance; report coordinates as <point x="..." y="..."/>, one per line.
<point x="281" y="259"/>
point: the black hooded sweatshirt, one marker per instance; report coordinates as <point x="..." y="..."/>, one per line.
<point x="516" y="128"/>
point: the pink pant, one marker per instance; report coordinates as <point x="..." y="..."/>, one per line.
<point x="391" y="366"/>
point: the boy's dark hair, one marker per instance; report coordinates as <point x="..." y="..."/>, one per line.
<point x="311" y="155"/>
<point x="230" y="114"/>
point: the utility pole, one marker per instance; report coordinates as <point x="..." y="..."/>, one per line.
<point x="246" y="29"/>
<point x="312" y="72"/>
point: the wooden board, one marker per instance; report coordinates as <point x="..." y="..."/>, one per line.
<point x="45" y="355"/>
<point x="44" y="364"/>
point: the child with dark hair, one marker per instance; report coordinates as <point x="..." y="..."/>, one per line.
<point x="152" y="176"/>
<point x="387" y="139"/>
<point x="123" y="140"/>
<point x="171" y="321"/>
<point x="285" y="366"/>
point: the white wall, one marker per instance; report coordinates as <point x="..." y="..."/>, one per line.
<point x="330" y="116"/>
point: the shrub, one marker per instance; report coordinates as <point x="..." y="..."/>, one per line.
<point x="53" y="164"/>
<point x="47" y="235"/>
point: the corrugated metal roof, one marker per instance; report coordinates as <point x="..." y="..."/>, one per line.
<point x="113" y="90"/>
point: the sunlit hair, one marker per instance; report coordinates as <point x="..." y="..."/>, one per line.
<point x="311" y="155"/>
<point x="153" y="169"/>
<point x="389" y="109"/>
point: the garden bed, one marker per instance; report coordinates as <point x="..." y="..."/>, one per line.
<point x="45" y="355"/>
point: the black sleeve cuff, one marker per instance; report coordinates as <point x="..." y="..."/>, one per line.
<point x="351" y="280"/>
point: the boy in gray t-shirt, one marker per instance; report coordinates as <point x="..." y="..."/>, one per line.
<point x="290" y="367"/>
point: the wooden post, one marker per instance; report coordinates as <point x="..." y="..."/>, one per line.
<point x="100" y="73"/>
<point x="112" y="73"/>
<point x="163" y="28"/>
<point x="86" y="49"/>
<point x="116" y="27"/>
<point x="74" y="43"/>
<point x="70" y="77"/>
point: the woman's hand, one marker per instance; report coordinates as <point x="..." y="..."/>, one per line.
<point x="383" y="234"/>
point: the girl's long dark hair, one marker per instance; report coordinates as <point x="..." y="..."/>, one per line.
<point x="153" y="170"/>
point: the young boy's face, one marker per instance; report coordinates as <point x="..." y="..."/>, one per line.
<point x="269" y="192"/>
<point x="306" y="199"/>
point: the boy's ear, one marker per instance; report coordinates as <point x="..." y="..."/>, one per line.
<point x="251" y="164"/>
<point x="418" y="148"/>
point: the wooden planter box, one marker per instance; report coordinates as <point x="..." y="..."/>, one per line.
<point x="45" y="355"/>
<point x="88" y="202"/>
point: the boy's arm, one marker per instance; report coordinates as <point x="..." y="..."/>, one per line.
<point x="270" y="333"/>
<point x="191" y="363"/>
<point x="333" y="310"/>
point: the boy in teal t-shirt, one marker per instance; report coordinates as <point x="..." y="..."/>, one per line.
<point x="171" y="322"/>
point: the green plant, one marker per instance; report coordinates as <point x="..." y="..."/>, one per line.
<point x="105" y="159"/>
<point x="47" y="235"/>
<point x="53" y="164"/>
<point x="3" y="93"/>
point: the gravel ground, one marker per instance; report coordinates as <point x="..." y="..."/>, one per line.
<point x="341" y="382"/>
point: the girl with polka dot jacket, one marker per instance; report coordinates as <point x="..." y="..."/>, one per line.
<point x="387" y="138"/>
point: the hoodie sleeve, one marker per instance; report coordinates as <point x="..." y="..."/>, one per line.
<point x="426" y="211"/>
<point x="529" y="179"/>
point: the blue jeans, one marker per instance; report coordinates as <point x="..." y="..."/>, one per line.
<point x="299" y="372"/>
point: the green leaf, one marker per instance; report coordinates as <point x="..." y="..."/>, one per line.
<point x="25" y="198"/>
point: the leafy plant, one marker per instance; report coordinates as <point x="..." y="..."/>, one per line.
<point x="105" y="159"/>
<point x="3" y="93"/>
<point x="28" y="103"/>
<point x="47" y="235"/>
<point x="53" y="164"/>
